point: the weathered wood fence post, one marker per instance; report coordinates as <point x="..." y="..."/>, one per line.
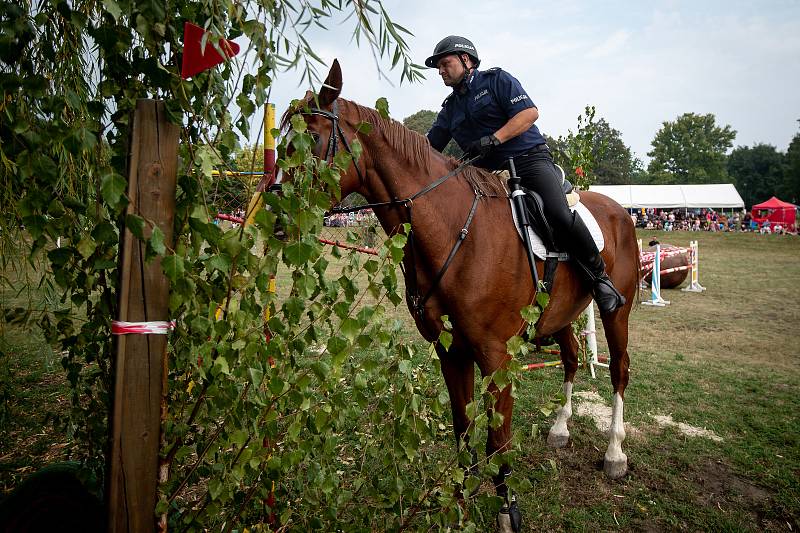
<point x="141" y="363"/>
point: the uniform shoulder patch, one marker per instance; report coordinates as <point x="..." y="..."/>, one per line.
<point x="493" y="70"/>
<point x="444" y="102"/>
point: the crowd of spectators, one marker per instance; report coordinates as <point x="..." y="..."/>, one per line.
<point x="704" y="220"/>
<point x="357" y="218"/>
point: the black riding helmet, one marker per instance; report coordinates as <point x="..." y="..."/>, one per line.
<point x="453" y="45"/>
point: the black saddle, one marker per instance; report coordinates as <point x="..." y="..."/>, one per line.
<point x="537" y="218"/>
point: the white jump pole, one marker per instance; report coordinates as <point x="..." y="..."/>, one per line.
<point x="591" y="339"/>
<point x="642" y="284"/>
<point x="655" y="282"/>
<point x="694" y="261"/>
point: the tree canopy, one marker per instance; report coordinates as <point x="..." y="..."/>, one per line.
<point x="614" y="163"/>
<point x="790" y="188"/>
<point x="757" y="172"/>
<point x="690" y="149"/>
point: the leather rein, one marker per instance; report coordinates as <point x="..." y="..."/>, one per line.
<point x="417" y="302"/>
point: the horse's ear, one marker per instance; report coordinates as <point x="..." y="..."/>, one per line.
<point x="332" y="86"/>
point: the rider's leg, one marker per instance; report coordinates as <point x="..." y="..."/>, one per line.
<point x="538" y="173"/>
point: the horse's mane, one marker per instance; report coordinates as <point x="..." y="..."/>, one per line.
<point x="415" y="148"/>
<point x="412" y="146"/>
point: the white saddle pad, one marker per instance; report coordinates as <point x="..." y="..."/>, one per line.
<point x="536" y="242"/>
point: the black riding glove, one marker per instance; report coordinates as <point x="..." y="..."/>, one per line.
<point x="483" y="146"/>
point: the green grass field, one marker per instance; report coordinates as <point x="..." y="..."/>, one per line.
<point x="725" y="360"/>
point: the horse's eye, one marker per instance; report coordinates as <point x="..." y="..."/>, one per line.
<point x="315" y="136"/>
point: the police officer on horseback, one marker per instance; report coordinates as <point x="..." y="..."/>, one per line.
<point x="490" y="115"/>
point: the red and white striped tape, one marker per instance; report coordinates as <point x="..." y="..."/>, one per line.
<point x="158" y="327"/>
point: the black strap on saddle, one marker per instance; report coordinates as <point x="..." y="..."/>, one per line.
<point x="534" y="213"/>
<point x="530" y="212"/>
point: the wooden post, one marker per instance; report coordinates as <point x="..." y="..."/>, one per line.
<point x="140" y="365"/>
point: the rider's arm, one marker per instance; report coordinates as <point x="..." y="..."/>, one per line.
<point x="439" y="134"/>
<point x="516" y="104"/>
<point x="519" y="123"/>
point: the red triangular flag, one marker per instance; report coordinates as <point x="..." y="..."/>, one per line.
<point x="196" y="60"/>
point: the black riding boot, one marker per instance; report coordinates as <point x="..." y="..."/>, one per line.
<point x="584" y="252"/>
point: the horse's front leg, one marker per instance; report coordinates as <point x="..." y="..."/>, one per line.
<point x="509" y="520"/>
<point x="615" y="462"/>
<point x="559" y="433"/>
<point x="459" y="375"/>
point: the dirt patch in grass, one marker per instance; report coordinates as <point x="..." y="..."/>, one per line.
<point x="720" y="487"/>
<point x="581" y="475"/>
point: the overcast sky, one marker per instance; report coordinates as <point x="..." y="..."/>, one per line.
<point x="638" y="63"/>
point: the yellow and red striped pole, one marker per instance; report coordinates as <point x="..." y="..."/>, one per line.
<point x="269" y="144"/>
<point x="255" y="205"/>
<point x="269" y="164"/>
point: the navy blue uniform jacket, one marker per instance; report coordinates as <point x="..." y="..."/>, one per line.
<point x="491" y="98"/>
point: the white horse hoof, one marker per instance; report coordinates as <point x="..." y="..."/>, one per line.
<point x="557" y="440"/>
<point x="616" y="468"/>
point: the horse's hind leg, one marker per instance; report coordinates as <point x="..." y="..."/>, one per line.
<point x="615" y="463"/>
<point x="559" y="433"/>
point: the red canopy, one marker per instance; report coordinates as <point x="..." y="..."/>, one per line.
<point x="775" y="211"/>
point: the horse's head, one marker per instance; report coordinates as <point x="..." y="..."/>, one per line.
<point x="332" y="132"/>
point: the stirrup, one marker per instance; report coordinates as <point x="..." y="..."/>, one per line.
<point x="607" y="297"/>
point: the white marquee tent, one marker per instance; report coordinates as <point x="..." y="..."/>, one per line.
<point x="718" y="196"/>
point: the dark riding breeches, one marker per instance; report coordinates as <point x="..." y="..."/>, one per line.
<point x="538" y="173"/>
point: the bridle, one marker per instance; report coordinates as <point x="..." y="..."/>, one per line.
<point x="336" y="133"/>
<point x="417" y="302"/>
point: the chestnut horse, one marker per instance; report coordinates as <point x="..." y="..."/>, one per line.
<point x="488" y="280"/>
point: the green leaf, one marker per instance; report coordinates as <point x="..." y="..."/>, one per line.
<point x="201" y="325"/>
<point x="298" y="123"/>
<point x="364" y="127"/>
<point x="336" y="345"/>
<point x="221" y="365"/>
<point x="59" y="256"/>
<point x="86" y="247"/>
<point x="542" y="299"/>
<point x="515" y="344"/>
<point x="113" y="188"/>
<point x="501" y="378"/>
<point x="471" y="484"/>
<point x="256" y="376"/>
<point x="221" y="262"/>
<point x="276" y="385"/>
<point x="350" y="329"/>
<point x="321" y="369"/>
<point x="446" y="322"/>
<point x="173" y="268"/>
<point x="446" y="339"/>
<point x="105" y="233"/>
<point x="382" y="106"/>
<point x="215" y="487"/>
<point x="497" y="419"/>
<point x="531" y="313"/>
<point x="157" y="241"/>
<point x="239" y="437"/>
<point x="298" y="253"/>
<point x="398" y="241"/>
<point x="135" y="225"/>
